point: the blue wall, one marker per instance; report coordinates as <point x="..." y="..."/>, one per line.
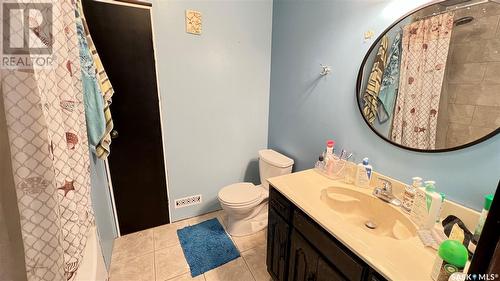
<point x="214" y="91"/>
<point x="305" y="109"/>
<point x="101" y="203"/>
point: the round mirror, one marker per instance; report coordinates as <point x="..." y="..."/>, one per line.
<point x="431" y="81"/>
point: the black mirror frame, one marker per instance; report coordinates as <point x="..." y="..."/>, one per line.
<point x="358" y="93"/>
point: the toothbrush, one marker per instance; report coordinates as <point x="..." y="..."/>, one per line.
<point x="342" y="154"/>
<point x="348" y="156"/>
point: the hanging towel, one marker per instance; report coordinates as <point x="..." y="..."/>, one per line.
<point x="370" y="97"/>
<point x="103" y="147"/>
<point x="92" y="97"/>
<point x="390" y="82"/>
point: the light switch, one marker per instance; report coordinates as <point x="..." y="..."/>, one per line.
<point x="193" y="22"/>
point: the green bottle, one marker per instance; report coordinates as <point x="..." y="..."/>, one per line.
<point x="487" y="204"/>
<point x="482" y="218"/>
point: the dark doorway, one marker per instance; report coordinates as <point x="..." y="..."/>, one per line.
<point x="123" y="38"/>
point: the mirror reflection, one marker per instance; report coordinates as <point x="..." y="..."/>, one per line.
<point x="432" y="81"/>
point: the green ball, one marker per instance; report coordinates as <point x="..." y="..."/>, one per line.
<point x="453" y="252"/>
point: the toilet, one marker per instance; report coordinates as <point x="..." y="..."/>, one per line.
<point x="245" y="203"/>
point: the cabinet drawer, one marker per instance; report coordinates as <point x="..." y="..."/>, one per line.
<point x="332" y="250"/>
<point x="280" y="204"/>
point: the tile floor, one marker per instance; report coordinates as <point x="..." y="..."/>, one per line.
<point x="156" y="254"/>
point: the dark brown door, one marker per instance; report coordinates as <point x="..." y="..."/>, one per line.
<point x="123" y="39"/>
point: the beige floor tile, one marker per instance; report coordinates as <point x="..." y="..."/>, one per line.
<point x="137" y="268"/>
<point x="202" y="218"/>
<point x="133" y="245"/>
<point x="166" y="235"/>
<point x="231" y="271"/>
<point x="244" y="243"/>
<point x="170" y="262"/>
<point x="187" y="277"/>
<point x="256" y="261"/>
<point x="223" y="220"/>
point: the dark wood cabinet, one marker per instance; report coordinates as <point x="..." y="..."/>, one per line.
<point x="298" y="249"/>
<point x="303" y="259"/>
<point x="307" y="264"/>
<point x="277" y="246"/>
<point x="326" y="272"/>
<point x="374" y="276"/>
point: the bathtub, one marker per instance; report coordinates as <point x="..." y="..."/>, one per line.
<point x="92" y="267"/>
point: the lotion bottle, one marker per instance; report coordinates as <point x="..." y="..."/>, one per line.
<point x="363" y="174"/>
<point x="409" y="194"/>
<point x="426" y="206"/>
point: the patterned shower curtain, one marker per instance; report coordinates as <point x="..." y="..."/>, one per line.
<point x="50" y="156"/>
<point x="425" y="46"/>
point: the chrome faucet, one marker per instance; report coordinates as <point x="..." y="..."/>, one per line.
<point x="384" y="193"/>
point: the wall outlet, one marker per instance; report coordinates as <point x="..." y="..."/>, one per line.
<point x="188" y="201"/>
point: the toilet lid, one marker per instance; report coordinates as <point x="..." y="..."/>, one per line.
<point x="240" y="193"/>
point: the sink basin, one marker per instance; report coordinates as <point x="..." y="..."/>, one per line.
<point x="368" y="212"/>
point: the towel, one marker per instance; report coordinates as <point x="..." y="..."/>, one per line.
<point x="370" y="97"/>
<point x="107" y="91"/>
<point x="92" y="97"/>
<point x="390" y="82"/>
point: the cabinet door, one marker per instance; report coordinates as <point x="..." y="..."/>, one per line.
<point x="374" y="276"/>
<point x="278" y="234"/>
<point x="327" y="272"/>
<point x="303" y="259"/>
<point x="332" y="250"/>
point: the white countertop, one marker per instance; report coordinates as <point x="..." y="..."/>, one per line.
<point x="394" y="259"/>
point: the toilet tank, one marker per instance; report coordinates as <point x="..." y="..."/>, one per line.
<point x="273" y="164"/>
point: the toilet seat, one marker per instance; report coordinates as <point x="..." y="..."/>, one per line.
<point x="245" y="204"/>
<point x="240" y="194"/>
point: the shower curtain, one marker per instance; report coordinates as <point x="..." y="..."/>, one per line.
<point x="425" y="46"/>
<point x="49" y="150"/>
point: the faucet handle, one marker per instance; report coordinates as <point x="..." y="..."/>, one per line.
<point x="386" y="185"/>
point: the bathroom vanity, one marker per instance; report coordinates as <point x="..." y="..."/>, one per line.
<point x="312" y="238"/>
<point x="317" y="257"/>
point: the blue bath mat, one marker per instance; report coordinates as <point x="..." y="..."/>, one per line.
<point x="206" y="246"/>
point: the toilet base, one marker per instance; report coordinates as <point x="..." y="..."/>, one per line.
<point x="243" y="226"/>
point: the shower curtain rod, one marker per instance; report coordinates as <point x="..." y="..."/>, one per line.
<point x="457" y="8"/>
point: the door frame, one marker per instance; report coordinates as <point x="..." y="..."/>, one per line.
<point x="146" y="6"/>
